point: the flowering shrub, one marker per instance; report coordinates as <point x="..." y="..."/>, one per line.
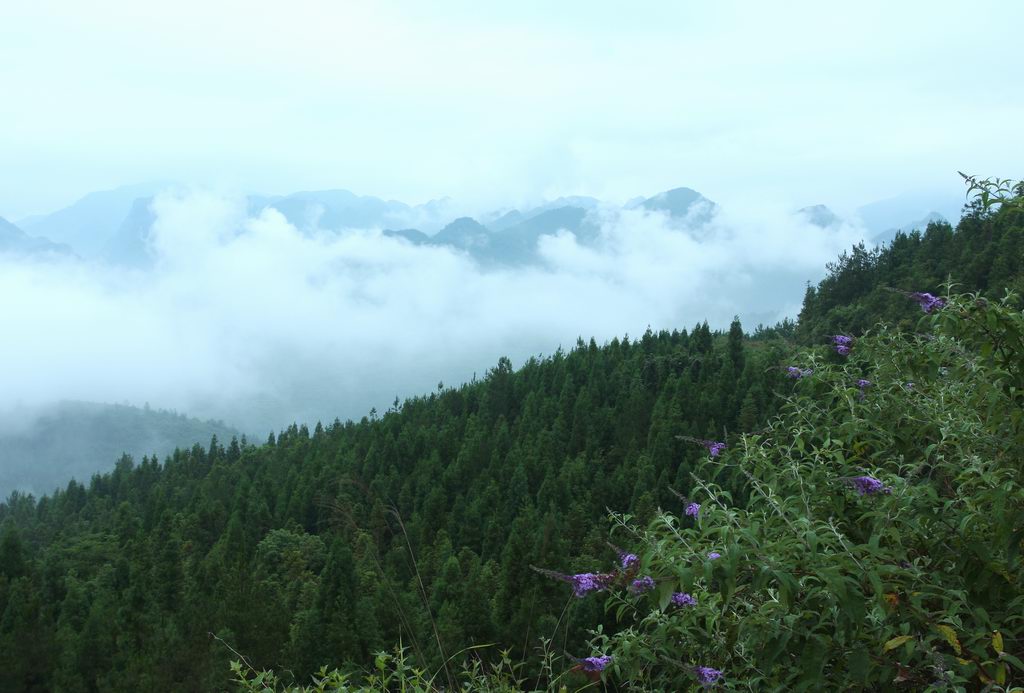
<point x="880" y="547"/>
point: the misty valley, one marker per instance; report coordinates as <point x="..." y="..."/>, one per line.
<point x="567" y="347"/>
<point x="143" y="549"/>
<point x="571" y="268"/>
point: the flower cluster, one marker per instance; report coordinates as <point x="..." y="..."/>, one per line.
<point x="797" y="373"/>
<point x="842" y="344"/>
<point x="641" y="585"/>
<point x="683" y="599"/>
<point x="585" y="583"/>
<point x="863" y="384"/>
<point x="693" y="509"/>
<point x="707" y="675"/>
<point x="595" y="663"/>
<point x="714" y="447"/>
<point x="928" y="302"/>
<point x="868" y="485"/>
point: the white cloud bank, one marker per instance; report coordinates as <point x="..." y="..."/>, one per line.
<point x="249" y="320"/>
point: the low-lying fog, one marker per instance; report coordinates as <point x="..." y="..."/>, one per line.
<point x="250" y="320"/>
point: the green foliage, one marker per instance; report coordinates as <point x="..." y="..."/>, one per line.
<point x="918" y="587"/>
<point x="995" y="191"/>
<point x="393" y="671"/>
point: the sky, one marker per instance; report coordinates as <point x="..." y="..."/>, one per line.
<point x="797" y="102"/>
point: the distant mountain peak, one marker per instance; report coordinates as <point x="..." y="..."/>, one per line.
<point x="505" y="220"/>
<point x="819" y="215"/>
<point x="919" y="225"/>
<point x="680" y="203"/>
<point x="922" y="224"/>
<point x="464" y="233"/>
<point x="906" y="209"/>
<point x="130" y="244"/>
<point x="14" y="240"/>
<point x="88" y="224"/>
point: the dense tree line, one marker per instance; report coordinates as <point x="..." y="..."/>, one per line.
<point x="420" y="525"/>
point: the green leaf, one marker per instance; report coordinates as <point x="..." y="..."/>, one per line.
<point x="896" y="642"/>
<point x="858" y="664"/>
<point x="1012" y="660"/>
<point x="665" y="590"/>
<point x="950" y="635"/>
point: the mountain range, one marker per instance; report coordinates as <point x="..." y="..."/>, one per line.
<point x="114" y="226"/>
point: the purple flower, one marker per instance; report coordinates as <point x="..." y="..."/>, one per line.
<point x="862" y="383"/>
<point x="707" y="675"/>
<point x="842" y="343"/>
<point x="629" y="560"/>
<point x="714" y="555"/>
<point x="683" y="599"/>
<point x="693" y="509"/>
<point x="714" y="447"/>
<point x="928" y="302"/>
<point x="909" y="386"/>
<point x="585" y="583"/>
<point x="641" y="585"/>
<point x="868" y="485"/>
<point x="794" y="372"/>
<point x="595" y="663"/>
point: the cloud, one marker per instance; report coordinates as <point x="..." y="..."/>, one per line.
<point x="250" y="320"/>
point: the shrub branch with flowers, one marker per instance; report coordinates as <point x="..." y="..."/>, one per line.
<point x="880" y="544"/>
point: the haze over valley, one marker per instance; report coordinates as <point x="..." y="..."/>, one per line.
<point x="527" y="347"/>
<point x="266" y="310"/>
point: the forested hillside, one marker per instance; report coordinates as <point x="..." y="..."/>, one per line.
<point x="129" y="575"/>
<point x="420" y="526"/>
<point x="984" y="253"/>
